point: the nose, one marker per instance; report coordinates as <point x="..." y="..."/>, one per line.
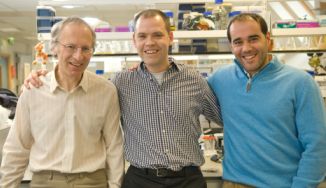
<point x="78" y="54"/>
<point x="246" y="46"/>
<point x="149" y="40"/>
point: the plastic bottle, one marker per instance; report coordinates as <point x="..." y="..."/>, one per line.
<point x="99" y="72"/>
<point x="209" y="19"/>
<point x="169" y="14"/>
<point x="233" y="14"/>
<point x="41" y="58"/>
<point x="103" y="27"/>
<point x="209" y="145"/>
<point x="220" y="14"/>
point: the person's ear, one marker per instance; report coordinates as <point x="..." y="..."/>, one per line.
<point x="171" y="37"/>
<point x="270" y="41"/>
<point x="134" y="39"/>
<point x="54" y="50"/>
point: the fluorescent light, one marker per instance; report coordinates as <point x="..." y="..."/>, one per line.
<point x="68" y="6"/>
<point x="9" y="29"/>
<point x="299" y="10"/>
<point x="71" y="6"/>
<point x="30" y="38"/>
<point x="279" y="9"/>
<point x="92" y="21"/>
<point x="311" y="4"/>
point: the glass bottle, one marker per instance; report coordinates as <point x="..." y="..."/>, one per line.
<point x="169" y="14"/>
<point x="220" y="14"/>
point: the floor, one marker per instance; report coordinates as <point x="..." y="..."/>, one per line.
<point x="24" y="185"/>
<point x="209" y="185"/>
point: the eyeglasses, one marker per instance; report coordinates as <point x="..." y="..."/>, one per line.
<point x="70" y="48"/>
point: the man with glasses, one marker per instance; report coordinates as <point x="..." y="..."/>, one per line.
<point x="160" y="106"/>
<point x="68" y="129"/>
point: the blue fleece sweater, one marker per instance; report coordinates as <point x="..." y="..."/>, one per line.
<point x="274" y="130"/>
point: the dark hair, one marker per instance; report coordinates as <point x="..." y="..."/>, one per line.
<point x="248" y="16"/>
<point x="148" y="13"/>
<point x="58" y="27"/>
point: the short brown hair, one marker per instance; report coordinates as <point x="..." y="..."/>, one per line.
<point x="148" y="13"/>
<point x="249" y="16"/>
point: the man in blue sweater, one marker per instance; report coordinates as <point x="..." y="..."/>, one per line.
<point x="274" y="117"/>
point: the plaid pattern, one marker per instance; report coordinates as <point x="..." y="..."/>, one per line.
<point x="161" y="122"/>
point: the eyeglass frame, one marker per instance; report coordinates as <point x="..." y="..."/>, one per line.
<point x="73" y="48"/>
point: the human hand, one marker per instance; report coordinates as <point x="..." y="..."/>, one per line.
<point x="134" y="67"/>
<point x="34" y="80"/>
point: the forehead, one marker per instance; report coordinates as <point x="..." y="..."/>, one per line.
<point x="149" y="23"/>
<point x="75" y="27"/>
<point x="245" y="28"/>
<point x="76" y="32"/>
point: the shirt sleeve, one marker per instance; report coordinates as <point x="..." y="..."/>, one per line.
<point x="211" y="105"/>
<point x="114" y="143"/>
<point x="115" y="79"/>
<point x="17" y="146"/>
<point x="311" y="126"/>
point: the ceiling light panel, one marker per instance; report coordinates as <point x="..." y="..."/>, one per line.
<point x="279" y="9"/>
<point x="299" y="10"/>
<point x="311" y="4"/>
<point x="9" y="30"/>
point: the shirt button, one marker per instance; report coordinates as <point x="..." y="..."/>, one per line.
<point x="162" y="112"/>
<point x="167" y="151"/>
<point x="163" y="130"/>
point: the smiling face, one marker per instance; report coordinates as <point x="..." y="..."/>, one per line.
<point x="72" y="63"/>
<point x="249" y="45"/>
<point x="152" y="41"/>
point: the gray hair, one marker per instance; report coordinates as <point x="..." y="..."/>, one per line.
<point x="58" y="27"/>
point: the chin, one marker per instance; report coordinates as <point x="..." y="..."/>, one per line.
<point x="149" y="61"/>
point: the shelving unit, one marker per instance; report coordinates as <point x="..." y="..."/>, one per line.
<point x="204" y="62"/>
<point x="108" y="53"/>
<point x="127" y="36"/>
<point x="291" y="32"/>
<point x="132" y="2"/>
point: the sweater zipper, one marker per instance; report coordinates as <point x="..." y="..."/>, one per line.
<point x="248" y="87"/>
<point x="251" y="78"/>
<point x="249" y="82"/>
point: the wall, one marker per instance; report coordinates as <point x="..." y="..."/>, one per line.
<point x="4" y="72"/>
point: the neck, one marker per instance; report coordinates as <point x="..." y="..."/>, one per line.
<point x="269" y="58"/>
<point x="67" y="82"/>
<point x="158" y="68"/>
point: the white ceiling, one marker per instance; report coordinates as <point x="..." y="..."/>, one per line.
<point x="21" y="15"/>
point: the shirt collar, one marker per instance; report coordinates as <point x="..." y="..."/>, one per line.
<point x="84" y="83"/>
<point x="269" y="64"/>
<point x="173" y="66"/>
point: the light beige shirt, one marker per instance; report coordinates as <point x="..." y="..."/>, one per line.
<point x="70" y="132"/>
